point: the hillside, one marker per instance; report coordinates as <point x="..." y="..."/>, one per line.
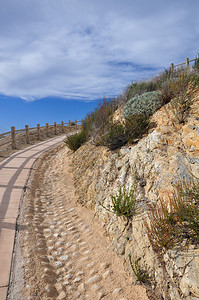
<point x="161" y="166"/>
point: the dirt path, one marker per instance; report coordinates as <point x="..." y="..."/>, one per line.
<point x="63" y="249"/>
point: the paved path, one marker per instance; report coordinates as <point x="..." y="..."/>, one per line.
<point x="14" y="172"/>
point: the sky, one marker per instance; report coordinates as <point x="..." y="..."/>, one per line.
<point x="58" y="58"/>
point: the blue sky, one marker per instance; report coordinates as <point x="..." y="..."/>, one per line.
<point x="57" y="58"/>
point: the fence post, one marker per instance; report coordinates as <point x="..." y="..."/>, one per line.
<point x="47" y="129"/>
<point x="187" y="63"/>
<point x="55" y="128"/>
<point x="27" y="134"/>
<point x="172" y="67"/>
<point x="62" y="126"/>
<point x="38" y="131"/>
<point x="69" y="123"/>
<point x="75" y="123"/>
<point x="13" y="136"/>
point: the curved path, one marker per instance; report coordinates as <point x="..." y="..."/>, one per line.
<point x="14" y="172"/>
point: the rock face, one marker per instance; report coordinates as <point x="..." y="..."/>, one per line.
<point x="170" y="152"/>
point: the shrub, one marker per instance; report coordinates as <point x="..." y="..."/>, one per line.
<point x="166" y="92"/>
<point x="176" y="84"/>
<point x="136" y="126"/>
<point x="76" y="140"/>
<point x="124" y="203"/>
<point x="96" y="122"/>
<point x="139" y="88"/>
<point x="118" y="135"/>
<point x="170" y="224"/>
<point x="146" y="104"/>
<point x="115" y="137"/>
<point x="182" y="89"/>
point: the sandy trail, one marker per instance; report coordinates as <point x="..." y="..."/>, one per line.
<point x="65" y="252"/>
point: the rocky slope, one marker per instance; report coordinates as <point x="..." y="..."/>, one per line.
<point x="170" y="152"/>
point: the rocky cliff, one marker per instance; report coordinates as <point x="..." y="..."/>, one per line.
<point x="170" y="152"/>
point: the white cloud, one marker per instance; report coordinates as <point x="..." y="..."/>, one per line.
<point x="86" y="49"/>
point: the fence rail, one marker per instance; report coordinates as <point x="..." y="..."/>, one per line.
<point x="10" y="137"/>
<point x="187" y="61"/>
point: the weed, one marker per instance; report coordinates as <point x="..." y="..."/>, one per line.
<point x="115" y="137"/>
<point x="178" y="91"/>
<point x="136" y="126"/>
<point x="170" y="223"/>
<point x="127" y="238"/>
<point x="124" y="203"/>
<point x="141" y="275"/>
<point x="76" y="140"/>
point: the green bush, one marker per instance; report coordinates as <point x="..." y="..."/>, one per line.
<point x="76" y="140"/>
<point x="115" y="137"/>
<point x="139" y="88"/>
<point x="124" y="203"/>
<point x="145" y="104"/>
<point x="118" y="135"/>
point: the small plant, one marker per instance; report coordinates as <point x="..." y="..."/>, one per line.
<point x="76" y="140"/>
<point x="170" y="223"/>
<point x="127" y="238"/>
<point x="141" y="275"/>
<point x="145" y="104"/>
<point x="124" y="203"/>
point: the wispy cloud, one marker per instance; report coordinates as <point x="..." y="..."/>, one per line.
<point x="87" y="49"/>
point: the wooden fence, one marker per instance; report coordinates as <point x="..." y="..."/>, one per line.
<point x="10" y="137"/>
<point x="186" y="63"/>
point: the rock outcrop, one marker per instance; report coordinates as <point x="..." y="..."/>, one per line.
<point x="169" y="153"/>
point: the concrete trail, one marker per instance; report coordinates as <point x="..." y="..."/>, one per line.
<point x="14" y="172"/>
